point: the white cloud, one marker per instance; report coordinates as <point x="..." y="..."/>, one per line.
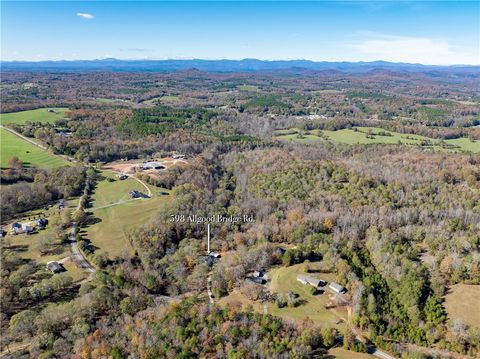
<point x="85" y="15"/>
<point x="373" y="46"/>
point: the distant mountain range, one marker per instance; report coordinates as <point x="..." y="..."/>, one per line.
<point x="246" y="65"/>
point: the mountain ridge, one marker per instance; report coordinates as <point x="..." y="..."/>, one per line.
<point x="225" y="65"/>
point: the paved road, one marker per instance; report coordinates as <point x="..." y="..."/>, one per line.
<point x="77" y="255"/>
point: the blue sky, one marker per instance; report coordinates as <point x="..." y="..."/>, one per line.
<point x="432" y="32"/>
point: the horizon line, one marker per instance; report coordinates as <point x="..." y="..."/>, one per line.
<point x="237" y="60"/>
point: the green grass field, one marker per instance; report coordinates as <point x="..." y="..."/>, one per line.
<point x="247" y="88"/>
<point x="108" y="193"/>
<point x="39" y="115"/>
<point x="350" y="136"/>
<point x="284" y="279"/>
<point x="109" y="234"/>
<point x="11" y="145"/>
<point x="169" y="99"/>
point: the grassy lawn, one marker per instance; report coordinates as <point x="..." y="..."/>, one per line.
<point x="341" y="353"/>
<point x="169" y="99"/>
<point x="30" y="154"/>
<point x="284" y="279"/>
<point x="39" y="115"/>
<point x="248" y="88"/>
<point x="28" y="248"/>
<point x="350" y="136"/>
<point x="112" y="192"/>
<point x="237" y="299"/>
<point x="462" y="303"/>
<point x="109" y="233"/>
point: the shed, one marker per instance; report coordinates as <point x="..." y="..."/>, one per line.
<point x="54" y="267"/>
<point x="152" y="166"/>
<point x="314" y="282"/>
<point x="337" y="288"/>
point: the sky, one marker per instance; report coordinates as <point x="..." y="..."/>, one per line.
<point x="430" y="32"/>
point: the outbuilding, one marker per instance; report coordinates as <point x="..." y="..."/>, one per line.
<point x="337" y="288"/>
<point x="314" y="282"/>
<point x="54" y="267"/>
<point x="152" y="166"/>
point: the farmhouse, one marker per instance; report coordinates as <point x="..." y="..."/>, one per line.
<point x="152" y="166"/>
<point x="314" y="282"/>
<point x="135" y="194"/>
<point x="54" y="267"/>
<point x="337" y="288"/>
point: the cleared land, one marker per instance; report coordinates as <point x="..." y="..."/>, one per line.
<point x="284" y="279"/>
<point x="39" y="115"/>
<point x="248" y="88"/>
<point x="372" y="135"/>
<point x="11" y="145"/>
<point x="120" y="214"/>
<point x="462" y="302"/>
<point x="108" y="193"/>
<point x="341" y="353"/>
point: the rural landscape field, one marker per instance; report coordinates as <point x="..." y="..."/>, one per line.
<point x="214" y="205"/>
